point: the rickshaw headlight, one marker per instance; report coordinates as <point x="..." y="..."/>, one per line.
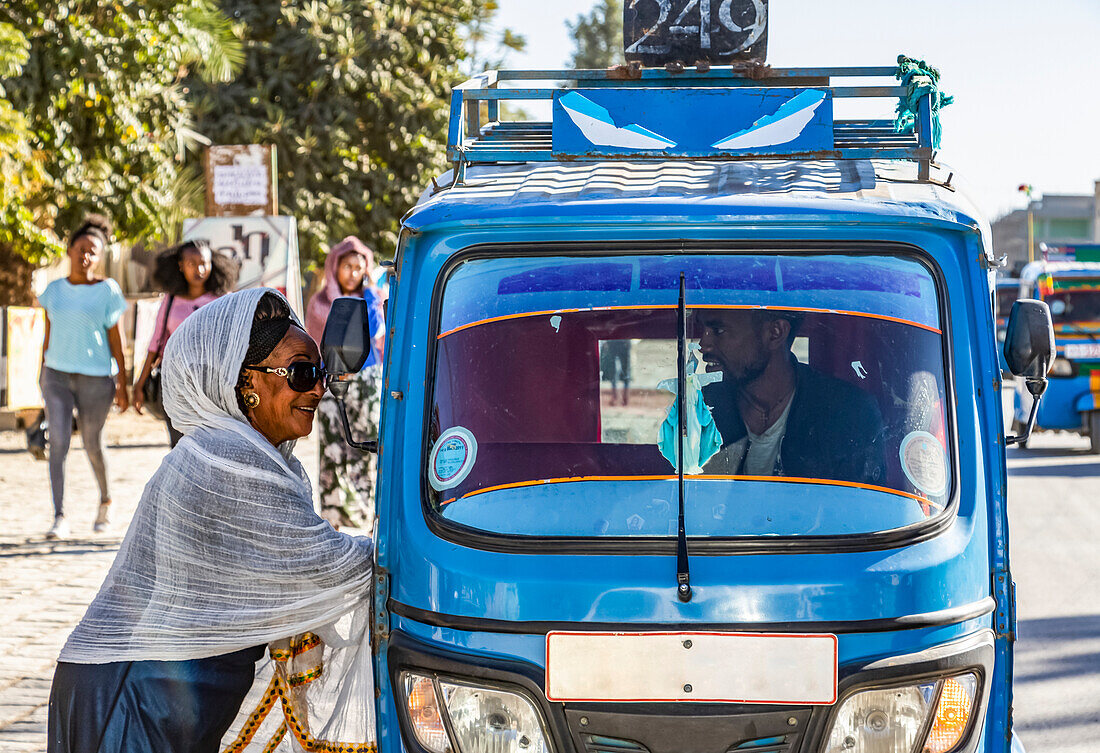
<point x="890" y="720"/>
<point x="953" y="712"/>
<point x="1061" y="368"/>
<point x="493" y="720"/>
<point x="423" y="706"/>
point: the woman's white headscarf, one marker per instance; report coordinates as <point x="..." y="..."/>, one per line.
<point x="225" y="550"/>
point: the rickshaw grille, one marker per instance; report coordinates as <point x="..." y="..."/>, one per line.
<point x="601" y="744"/>
<point x="654" y="730"/>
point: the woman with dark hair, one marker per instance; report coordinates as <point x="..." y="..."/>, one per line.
<point x="225" y="555"/>
<point x="83" y="366"/>
<point x="346" y="476"/>
<point x="192" y="275"/>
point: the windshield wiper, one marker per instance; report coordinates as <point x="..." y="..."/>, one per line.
<point x="683" y="575"/>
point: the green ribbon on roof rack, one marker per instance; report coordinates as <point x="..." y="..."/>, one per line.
<point x="919" y="79"/>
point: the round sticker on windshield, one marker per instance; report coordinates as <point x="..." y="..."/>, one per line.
<point x="924" y="463"/>
<point x="452" y="458"/>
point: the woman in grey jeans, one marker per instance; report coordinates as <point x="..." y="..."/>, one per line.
<point x="82" y="366"/>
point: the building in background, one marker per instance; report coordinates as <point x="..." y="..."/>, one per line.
<point x="1060" y="220"/>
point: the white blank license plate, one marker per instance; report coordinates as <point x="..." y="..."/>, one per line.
<point x="701" y="667"/>
<point x="1082" y="350"/>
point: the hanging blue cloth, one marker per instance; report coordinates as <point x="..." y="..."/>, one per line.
<point x="919" y="79"/>
<point x="702" y="439"/>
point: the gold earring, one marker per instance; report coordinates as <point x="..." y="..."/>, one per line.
<point x="251" y="400"/>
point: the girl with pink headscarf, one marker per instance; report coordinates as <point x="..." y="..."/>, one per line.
<point x="347" y="475"/>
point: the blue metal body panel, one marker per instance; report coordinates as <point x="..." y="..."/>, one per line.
<point x="1086" y="403"/>
<point x="958" y="567"/>
<point x="597" y="123"/>
<point x="1062" y="404"/>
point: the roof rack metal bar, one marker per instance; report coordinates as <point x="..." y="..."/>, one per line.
<point x="496" y="154"/>
<point x="719" y="72"/>
<point x="838" y="91"/>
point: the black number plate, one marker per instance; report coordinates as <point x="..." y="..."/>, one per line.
<point x="657" y="32"/>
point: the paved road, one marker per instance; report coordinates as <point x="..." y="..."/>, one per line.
<point x="1055" y="514"/>
<point x="45" y="586"/>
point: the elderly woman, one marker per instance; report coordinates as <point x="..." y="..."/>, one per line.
<point x="225" y="553"/>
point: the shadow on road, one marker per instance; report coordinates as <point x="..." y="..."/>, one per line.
<point x="1068" y="470"/>
<point x="43" y="547"/>
<point x="78" y="449"/>
<point x="1057" y="639"/>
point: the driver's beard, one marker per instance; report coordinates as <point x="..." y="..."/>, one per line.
<point x="749" y="374"/>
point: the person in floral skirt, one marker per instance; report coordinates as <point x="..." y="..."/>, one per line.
<point x="347" y="475"/>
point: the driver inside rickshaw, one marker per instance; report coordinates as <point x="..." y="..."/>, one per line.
<point x="778" y="416"/>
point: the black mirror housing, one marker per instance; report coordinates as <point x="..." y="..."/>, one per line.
<point x="1029" y="340"/>
<point x="345" y="346"/>
<point x="345" y="343"/>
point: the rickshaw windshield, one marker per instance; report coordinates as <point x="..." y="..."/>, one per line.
<point x="815" y="400"/>
<point x="1074" y="301"/>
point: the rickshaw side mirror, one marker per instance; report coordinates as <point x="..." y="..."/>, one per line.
<point x="344" y="343"/>
<point x="344" y="348"/>
<point x="1029" y="352"/>
<point x="1029" y="340"/>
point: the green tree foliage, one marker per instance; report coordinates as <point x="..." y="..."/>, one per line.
<point x="21" y="170"/>
<point x="354" y="95"/>
<point x="598" y="36"/>
<point x="105" y="117"/>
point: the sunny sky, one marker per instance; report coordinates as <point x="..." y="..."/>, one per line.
<point x="1023" y="73"/>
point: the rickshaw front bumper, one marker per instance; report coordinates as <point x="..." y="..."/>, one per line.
<point x="446" y="698"/>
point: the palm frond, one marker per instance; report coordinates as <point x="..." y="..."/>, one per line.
<point x="218" y="54"/>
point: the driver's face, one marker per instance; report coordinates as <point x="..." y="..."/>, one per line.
<point x="732" y="342"/>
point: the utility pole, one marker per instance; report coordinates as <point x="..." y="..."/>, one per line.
<point x="1026" y="189"/>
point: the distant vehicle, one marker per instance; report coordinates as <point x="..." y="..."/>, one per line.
<point x="1072" y="403"/>
<point x="1008" y="290"/>
<point x="583" y="543"/>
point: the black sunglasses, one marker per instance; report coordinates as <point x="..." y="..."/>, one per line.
<point x="302" y="376"/>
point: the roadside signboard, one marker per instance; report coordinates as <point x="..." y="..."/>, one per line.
<point x="1070" y="251"/>
<point x="240" y="180"/>
<point x="145" y="321"/>
<point x="265" y="247"/>
<point x="26" y="328"/>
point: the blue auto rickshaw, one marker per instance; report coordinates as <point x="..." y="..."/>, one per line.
<point x="587" y="540"/>
<point x="1071" y="289"/>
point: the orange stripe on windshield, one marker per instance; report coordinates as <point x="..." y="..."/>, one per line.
<point x="703" y="477"/>
<point x="800" y="309"/>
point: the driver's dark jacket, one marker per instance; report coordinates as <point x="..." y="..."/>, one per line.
<point x="834" y="429"/>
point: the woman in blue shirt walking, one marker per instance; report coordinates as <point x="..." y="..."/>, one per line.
<point x="83" y="366"/>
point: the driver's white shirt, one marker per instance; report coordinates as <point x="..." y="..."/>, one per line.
<point x="763" y="450"/>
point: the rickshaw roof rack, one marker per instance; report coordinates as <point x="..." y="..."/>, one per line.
<point x="737" y="113"/>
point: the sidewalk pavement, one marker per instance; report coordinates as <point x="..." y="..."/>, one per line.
<point x="45" y="586"/>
